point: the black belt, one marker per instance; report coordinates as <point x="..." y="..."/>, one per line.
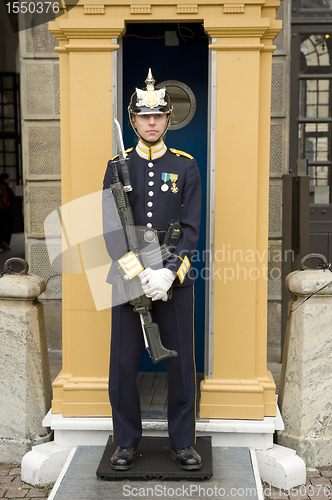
<point x="150" y="235"/>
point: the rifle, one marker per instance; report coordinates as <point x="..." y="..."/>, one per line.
<point x="130" y="290"/>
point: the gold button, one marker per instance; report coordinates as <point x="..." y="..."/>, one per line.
<point x="149" y="214"/>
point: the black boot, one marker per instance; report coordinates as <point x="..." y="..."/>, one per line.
<point x="188" y="458"/>
<point x="123" y="458"/>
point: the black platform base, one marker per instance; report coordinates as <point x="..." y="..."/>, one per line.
<point x="154" y="461"/>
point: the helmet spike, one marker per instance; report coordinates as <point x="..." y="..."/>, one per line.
<point x="150" y="81"/>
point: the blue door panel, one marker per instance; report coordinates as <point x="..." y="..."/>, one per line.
<point x="144" y="47"/>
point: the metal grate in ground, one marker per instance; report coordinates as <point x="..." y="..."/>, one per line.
<point x="233" y="477"/>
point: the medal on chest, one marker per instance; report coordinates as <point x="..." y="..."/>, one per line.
<point x="174" y="178"/>
<point x="165" y="177"/>
<point x="169" y="177"/>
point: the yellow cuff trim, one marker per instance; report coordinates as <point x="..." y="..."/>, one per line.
<point x="183" y="269"/>
<point x="130" y="265"/>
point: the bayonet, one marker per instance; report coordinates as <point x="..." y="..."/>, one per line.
<point x="122" y="157"/>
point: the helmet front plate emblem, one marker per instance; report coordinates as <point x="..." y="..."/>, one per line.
<point x="150" y="98"/>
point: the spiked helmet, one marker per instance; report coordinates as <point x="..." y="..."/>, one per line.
<point x="150" y="101"/>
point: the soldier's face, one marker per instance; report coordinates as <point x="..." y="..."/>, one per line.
<point x="150" y="127"/>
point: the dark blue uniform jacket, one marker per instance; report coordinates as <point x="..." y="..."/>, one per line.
<point x="149" y="169"/>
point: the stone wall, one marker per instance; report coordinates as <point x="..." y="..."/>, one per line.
<point x="279" y="143"/>
<point x="40" y="108"/>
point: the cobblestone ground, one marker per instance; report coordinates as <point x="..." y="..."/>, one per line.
<point x="12" y="488"/>
<point x="317" y="487"/>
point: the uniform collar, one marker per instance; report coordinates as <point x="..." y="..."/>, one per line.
<point x="156" y="151"/>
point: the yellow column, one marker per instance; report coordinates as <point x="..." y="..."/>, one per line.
<point x="85" y="49"/>
<point x="240" y="386"/>
<point x="263" y="376"/>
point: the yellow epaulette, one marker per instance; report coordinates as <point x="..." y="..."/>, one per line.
<point x="129" y="150"/>
<point x="180" y="153"/>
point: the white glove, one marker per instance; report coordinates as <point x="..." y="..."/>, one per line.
<point x="156" y="283"/>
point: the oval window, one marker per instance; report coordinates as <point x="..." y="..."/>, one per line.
<point x="183" y="102"/>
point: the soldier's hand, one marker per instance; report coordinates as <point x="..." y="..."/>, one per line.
<point x="145" y="275"/>
<point x="156" y="283"/>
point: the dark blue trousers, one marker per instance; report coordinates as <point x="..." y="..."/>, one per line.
<point x="175" y="320"/>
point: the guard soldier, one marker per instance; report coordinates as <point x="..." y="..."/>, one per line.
<point x="163" y="180"/>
